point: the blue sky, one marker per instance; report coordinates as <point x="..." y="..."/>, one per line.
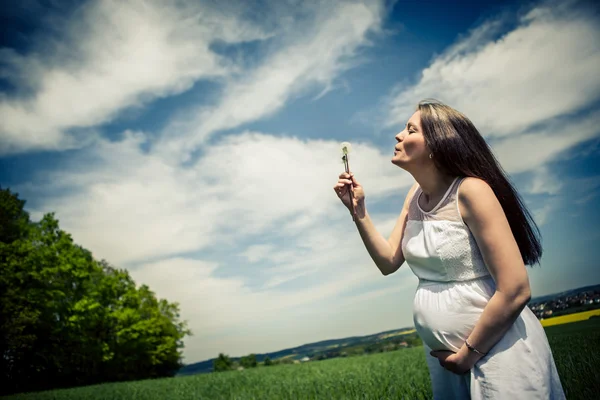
<point x="197" y="145"/>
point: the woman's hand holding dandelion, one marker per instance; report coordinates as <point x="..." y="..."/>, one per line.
<point x="349" y="191"/>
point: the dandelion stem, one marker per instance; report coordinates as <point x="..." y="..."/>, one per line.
<point x="347" y="165"/>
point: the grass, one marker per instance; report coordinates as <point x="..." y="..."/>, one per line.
<point x="399" y="374"/>
<point x="575" y="350"/>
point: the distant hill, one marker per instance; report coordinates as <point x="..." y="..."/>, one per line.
<point x="571" y="292"/>
<point x="297" y="353"/>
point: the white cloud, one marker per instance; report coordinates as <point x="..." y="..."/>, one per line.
<point x="258" y="252"/>
<point x="541" y="214"/>
<point x="161" y="208"/>
<point x="129" y="206"/>
<point x="314" y="58"/>
<point x="114" y="55"/>
<point x="220" y="307"/>
<point x="536" y="148"/>
<point x="542" y="69"/>
<point x="544" y="182"/>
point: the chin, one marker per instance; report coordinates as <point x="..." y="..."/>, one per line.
<point x="398" y="162"/>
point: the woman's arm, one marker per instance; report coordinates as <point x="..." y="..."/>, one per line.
<point x="387" y="254"/>
<point x="486" y="219"/>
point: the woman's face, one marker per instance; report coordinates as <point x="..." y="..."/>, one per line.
<point x="411" y="148"/>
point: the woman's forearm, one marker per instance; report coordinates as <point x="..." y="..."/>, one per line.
<point x="496" y="319"/>
<point x="378" y="247"/>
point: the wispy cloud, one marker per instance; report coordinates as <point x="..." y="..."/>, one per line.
<point x="542" y="69"/>
<point x="327" y="47"/>
<point x="246" y="311"/>
<point x="544" y="182"/>
<point x="277" y="211"/>
<point x="129" y="206"/>
<point x="528" y="151"/>
<point x="112" y="56"/>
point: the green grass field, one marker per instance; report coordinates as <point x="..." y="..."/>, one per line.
<point x="399" y="374"/>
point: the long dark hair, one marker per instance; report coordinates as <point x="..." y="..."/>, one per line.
<point x="460" y="150"/>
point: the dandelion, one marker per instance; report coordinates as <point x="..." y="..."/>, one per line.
<point x="346" y="147"/>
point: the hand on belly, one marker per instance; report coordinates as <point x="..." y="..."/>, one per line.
<point x="446" y="313"/>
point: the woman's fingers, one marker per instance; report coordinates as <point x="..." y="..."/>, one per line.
<point x="345" y="182"/>
<point x="339" y="187"/>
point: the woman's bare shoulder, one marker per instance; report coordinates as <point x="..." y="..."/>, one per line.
<point x="477" y="199"/>
<point x="472" y="188"/>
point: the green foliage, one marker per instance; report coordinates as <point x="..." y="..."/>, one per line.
<point x="67" y="319"/>
<point x="268" y="361"/>
<point x="248" y="361"/>
<point x="13" y="218"/>
<point x="222" y="363"/>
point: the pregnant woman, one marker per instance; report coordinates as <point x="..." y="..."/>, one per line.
<point x="467" y="236"/>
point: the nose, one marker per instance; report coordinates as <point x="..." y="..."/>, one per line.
<point x="400" y="136"/>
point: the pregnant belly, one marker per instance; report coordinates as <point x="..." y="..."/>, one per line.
<point x="445" y="313"/>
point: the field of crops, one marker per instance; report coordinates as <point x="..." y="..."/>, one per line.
<point x="399" y="374"/>
<point x="565" y="319"/>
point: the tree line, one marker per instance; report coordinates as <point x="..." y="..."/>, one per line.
<point x="67" y="319"/>
<point x="224" y="363"/>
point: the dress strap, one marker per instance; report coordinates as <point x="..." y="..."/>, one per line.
<point x="449" y="191"/>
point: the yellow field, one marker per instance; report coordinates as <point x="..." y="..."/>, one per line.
<point x="397" y="333"/>
<point x="564" y="319"/>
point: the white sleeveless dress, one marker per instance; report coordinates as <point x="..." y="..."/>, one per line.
<point x="454" y="288"/>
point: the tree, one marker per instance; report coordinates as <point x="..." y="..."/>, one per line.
<point x="268" y="361"/>
<point x="14" y="220"/>
<point x="222" y="363"/>
<point x="15" y="315"/>
<point x="249" y="361"/>
<point x="67" y="319"/>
